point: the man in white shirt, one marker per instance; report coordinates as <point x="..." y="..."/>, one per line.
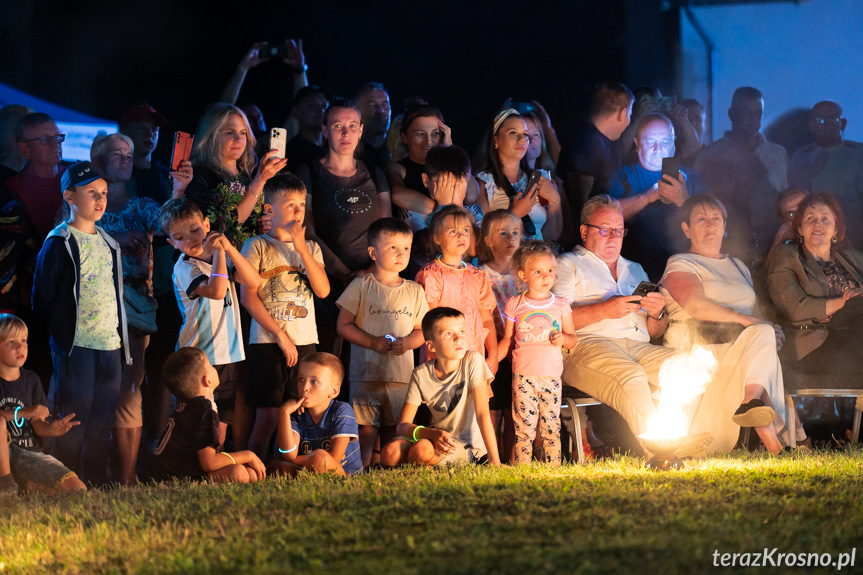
<point x="613" y="360"/>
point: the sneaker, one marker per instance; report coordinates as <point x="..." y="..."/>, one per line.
<point x="753" y="414"/>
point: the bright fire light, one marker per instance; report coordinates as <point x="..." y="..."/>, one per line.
<point x="682" y="379"/>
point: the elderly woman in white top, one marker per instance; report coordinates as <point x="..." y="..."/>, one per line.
<point x="711" y="302"/>
<point x="503" y="183"/>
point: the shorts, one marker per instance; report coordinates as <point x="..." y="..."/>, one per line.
<point x="462" y="454"/>
<point x="271" y="382"/>
<point x="128" y="414"/>
<point x="501" y="385"/>
<point x="377" y="403"/>
<point x="226" y="394"/>
<point x="37" y="467"/>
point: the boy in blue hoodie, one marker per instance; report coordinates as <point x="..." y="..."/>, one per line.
<point x="78" y="294"/>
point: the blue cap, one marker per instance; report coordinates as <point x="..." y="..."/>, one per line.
<point x="78" y="175"/>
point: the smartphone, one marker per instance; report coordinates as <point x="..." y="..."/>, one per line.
<point x="273" y="51"/>
<point x="671" y="167"/>
<point x="645" y="288"/>
<point x="278" y="141"/>
<point x="182" y="149"/>
<point x="534" y="179"/>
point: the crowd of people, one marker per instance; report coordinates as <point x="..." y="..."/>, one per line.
<point x="167" y="315"/>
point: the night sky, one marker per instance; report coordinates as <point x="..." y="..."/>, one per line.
<point x="464" y="57"/>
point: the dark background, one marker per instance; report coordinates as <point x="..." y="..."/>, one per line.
<point x="464" y="57"/>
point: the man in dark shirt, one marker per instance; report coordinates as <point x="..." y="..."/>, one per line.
<point x="310" y="103"/>
<point x="374" y="101"/>
<point x="590" y="157"/>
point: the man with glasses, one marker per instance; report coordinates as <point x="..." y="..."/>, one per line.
<point x="832" y="164"/>
<point x="649" y="200"/>
<point x="613" y="360"/>
<point x="37" y="186"/>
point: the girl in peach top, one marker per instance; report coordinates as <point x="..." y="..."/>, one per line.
<point x="450" y="282"/>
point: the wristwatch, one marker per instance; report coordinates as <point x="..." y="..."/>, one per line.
<point x="659" y="317"/>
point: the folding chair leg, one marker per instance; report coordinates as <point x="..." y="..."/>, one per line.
<point x="855" y="428"/>
<point x="790" y="420"/>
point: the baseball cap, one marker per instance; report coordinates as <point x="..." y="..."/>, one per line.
<point x="140" y="112"/>
<point x="78" y="174"/>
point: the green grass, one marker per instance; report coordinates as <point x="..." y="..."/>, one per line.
<point x="607" y="517"/>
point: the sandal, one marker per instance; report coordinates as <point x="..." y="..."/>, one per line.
<point x="753" y="414"/>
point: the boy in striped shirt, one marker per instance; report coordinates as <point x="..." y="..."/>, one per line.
<point x="207" y="296"/>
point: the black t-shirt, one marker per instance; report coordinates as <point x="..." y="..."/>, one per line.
<point x="154" y="182"/>
<point x="193" y="426"/>
<point x="589" y="153"/>
<point x="377" y="157"/>
<point x="24" y="392"/>
<point x="413" y="180"/>
<point x="344" y="208"/>
<point x="299" y="152"/>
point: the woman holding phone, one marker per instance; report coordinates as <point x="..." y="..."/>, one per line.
<point x="223" y="159"/>
<point x="509" y="183"/>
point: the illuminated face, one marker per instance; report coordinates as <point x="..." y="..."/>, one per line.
<point x="392" y="252"/>
<point x="13" y="350"/>
<point x="118" y="161"/>
<point x="421" y="136"/>
<point x="144" y="135"/>
<point x="316" y="385"/>
<point x="233" y="138"/>
<point x="606" y="248"/>
<point x="289" y="207"/>
<point x="534" y="148"/>
<point x="188" y="236"/>
<point x="506" y="239"/>
<point x="213" y="376"/>
<point x="538" y="274"/>
<point x="375" y="105"/>
<point x="818" y="227"/>
<point x="87" y="202"/>
<point x="705" y="229"/>
<point x="655" y="142"/>
<point x="512" y="139"/>
<point x="454" y="238"/>
<point x="343" y="130"/>
<point x="450" y="339"/>
<point x="36" y="152"/>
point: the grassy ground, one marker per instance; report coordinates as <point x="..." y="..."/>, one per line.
<point x="607" y="517"/>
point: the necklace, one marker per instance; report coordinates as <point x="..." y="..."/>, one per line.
<point x="524" y="299"/>
<point x="458" y="267"/>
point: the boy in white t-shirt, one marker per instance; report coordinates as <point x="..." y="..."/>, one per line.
<point x="381" y="315"/>
<point x="207" y="297"/>
<point x="283" y="328"/>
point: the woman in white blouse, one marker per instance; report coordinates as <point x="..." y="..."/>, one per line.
<point x="711" y="302"/>
<point x="503" y="183"/>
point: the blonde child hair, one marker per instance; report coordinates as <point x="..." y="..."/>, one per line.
<point x="11" y="325"/>
<point x="529" y="250"/>
<point x="491" y="224"/>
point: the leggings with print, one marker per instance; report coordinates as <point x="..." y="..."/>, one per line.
<point x="536" y="404"/>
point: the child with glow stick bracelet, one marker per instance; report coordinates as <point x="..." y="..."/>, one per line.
<point x="538" y="323"/>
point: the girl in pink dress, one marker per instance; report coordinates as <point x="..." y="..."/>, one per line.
<point x="499" y="237"/>
<point x="537" y="323"/>
<point x="451" y="282"/>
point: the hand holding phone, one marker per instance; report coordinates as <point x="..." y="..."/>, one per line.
<point x="278" y="141"/>
<point x="534" y="179"/>
<point x="671" y="170"/>
<point x="645" y="288"/>
<point x="182" y="149"/>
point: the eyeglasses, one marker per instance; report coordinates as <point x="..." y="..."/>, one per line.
<point x="45" y="140"/>
<point x="828" y="119"/>
<point x="788" y="216"/>
<point x="609" y="232"/>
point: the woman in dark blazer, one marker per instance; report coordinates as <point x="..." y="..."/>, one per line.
<point x="815" y="284"/>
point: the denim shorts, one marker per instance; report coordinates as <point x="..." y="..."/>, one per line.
<point x="37" y="467"/>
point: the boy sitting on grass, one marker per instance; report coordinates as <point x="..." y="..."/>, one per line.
<point x="23" y="416"/>
<point x="188" y="448"/>
<point x="316" y="432"/>
<point x="454" y="386"/>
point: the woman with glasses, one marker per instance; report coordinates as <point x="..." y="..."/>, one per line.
<point x="712" y="303"/>
<point x="504" y="182"/>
